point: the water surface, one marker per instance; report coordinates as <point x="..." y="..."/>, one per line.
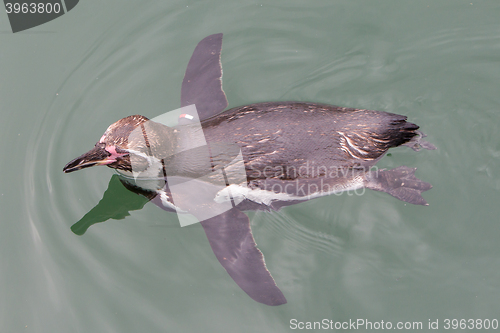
<point x="340" y="257"/>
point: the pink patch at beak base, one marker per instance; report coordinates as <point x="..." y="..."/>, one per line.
<point x="114" y="155"/>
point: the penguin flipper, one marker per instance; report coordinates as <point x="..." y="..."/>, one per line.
<point x="233" y="244"/>
<point x="229" y="235"/>
<point x="202" y="84"/>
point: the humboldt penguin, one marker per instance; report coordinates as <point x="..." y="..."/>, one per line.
<point x="261" y="156"/>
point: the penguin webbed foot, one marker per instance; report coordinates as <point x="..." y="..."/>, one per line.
<point x="401" y="183"/>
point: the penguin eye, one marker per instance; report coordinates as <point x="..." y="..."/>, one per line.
<point x="121" y="151"/>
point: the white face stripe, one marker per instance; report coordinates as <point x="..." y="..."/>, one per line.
<point x="154" y="169"/>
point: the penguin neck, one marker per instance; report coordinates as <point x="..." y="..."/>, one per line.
<point x="150" y="145"/>
<point x="191" y="158"/>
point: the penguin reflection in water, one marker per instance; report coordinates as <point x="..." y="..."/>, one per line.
<point x="261" y="156"/>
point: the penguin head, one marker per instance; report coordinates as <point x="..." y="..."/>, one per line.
<point x="122" y="140"/>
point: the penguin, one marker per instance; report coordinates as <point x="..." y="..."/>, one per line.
<point x="216" y="164"/>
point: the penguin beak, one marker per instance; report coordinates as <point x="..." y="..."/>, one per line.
<point x="97" y="156"/>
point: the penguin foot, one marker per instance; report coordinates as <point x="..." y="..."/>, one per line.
<point x="400" y="182"/>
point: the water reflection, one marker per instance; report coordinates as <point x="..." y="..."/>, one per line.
<point x="115" y="204"/>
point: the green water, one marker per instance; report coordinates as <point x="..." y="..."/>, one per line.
<point x="339" y="258"/>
